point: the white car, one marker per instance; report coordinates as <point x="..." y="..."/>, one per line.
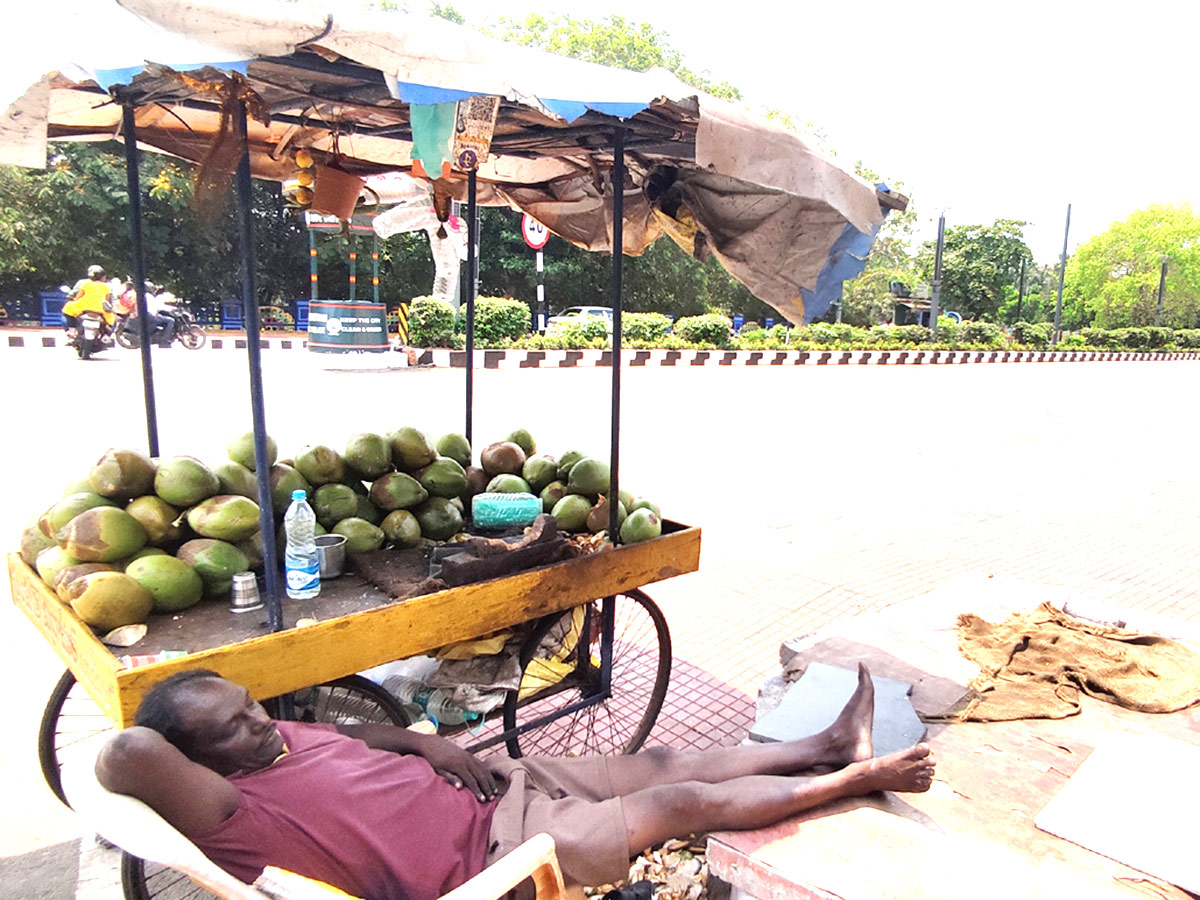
<point x="575" y="313"/>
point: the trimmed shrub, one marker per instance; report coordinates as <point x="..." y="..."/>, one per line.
<point x="1098" y="337"/>
<point x="826" y="333"/>
<point x="1072" y="341"/>
<point x="1188" y="338"/>
<point x="710" y="328"/>
<point x="1033" y="334"/>
<point x="1158" y="337"/>
<point x="985" y="333"/>
<point x="899" y="335"/>
<point x="1131" y="338"/>
<point x="497" y="319"/>
<point x="591" y="332"/>
<point x="430" y="322"/>
<point x="644" y="326"/>
<point x="949" y="330"/>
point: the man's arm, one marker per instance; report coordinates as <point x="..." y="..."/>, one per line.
<point x="456" y="765"/>
<point x="140" y="762"/>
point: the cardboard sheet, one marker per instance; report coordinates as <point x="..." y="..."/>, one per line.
<point x="1134" y="800"/>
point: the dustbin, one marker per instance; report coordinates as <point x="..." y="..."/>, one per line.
<point x="52" y="304"/>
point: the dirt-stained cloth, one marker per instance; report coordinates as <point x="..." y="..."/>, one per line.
<point x="1034" y="664"/>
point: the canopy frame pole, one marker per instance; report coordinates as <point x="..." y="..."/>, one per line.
<point x="134" y="189"/>
<point x="312" y="265"/>
<point x="353" y="266"/>
<point x="262" y="464"/>
<point x="375" y="272"/>
<point x="608" y="611"/>
<point x="469" y="287"/>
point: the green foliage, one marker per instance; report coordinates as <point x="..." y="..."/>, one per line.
<point x="1187" y="338"/>
<point x="899" y="335"/>
<point x="613" y="41"/>
<point x="1131" y="338"/>
<point x="978" y="263"/>
<point x="707" y="329"/>
<point x="430" y="322"/>
<point x="1072" y="342"/>
<point x="1098" y="337"/>
<point x="948" y="329"/>
<point x="1114" y="276"/>
<point x="497" y="319"/>
<point x="1033" y="334"/>
<point x="1158" y="337"/>
<point x="644" y="326"/>
<point x="984" y="333"/>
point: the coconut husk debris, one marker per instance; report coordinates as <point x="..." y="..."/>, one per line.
<point x="678" y="869"/>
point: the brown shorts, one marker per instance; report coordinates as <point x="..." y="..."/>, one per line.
<point x="570" y="799"/>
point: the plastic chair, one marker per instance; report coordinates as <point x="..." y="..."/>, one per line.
<point x="136" y="828"/>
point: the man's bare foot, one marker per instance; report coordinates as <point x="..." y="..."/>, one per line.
<point x="907" y="770"/>
<point x="849" y="737"/>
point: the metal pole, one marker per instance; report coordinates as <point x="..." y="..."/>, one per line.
<point x="541" y="294"/>
<point x="469" y="288"/>
<point x="312" y="265"/>
<point x="134" y="189"/>
<point x="353" y="266"/>
<point x="375" y="268"/>
<point x="1162" y="289"/>
<point x="1062" y="278"/>
<point x="614" y="293"/>
<point x="1021" y="290"/>
<point x="266" y="514"/>
<point x="935" y="303"/>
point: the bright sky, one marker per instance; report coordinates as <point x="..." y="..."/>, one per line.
<point x="983" y="110"/>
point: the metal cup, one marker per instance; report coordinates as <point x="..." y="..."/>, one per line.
<point x="245" y="593"/>
<point x="331" y="555"/>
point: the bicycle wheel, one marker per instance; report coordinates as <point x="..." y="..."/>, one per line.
<point x="641" y="668"/>
<point x="193" y="337"/>
<point x="71" y="719"/>
<point x="352" y="700"/>
<point x="127" y="338"/>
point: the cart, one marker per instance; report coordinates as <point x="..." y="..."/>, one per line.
<point x="623" y="655"/>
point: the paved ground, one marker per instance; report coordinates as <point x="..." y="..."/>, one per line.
<point x="822" y="492"/>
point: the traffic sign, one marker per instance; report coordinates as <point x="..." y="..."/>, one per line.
<point x="535" y="233"/>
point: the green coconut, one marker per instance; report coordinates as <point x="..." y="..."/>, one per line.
<point x="241" y="451"/>
<point x="443" y="477"/>
<point x="369" y="455"/>
<point x="320" y="464"/>
<point x="123" y="474"/>
<point x="234" y="478"/>
<point x="284" y="480"/>
<point x="172" y="583"/>
<point x="334" y="502"/>
<point x="589" y="477"/>
<point x="641" y="525"/>
<point x="62" y="512"/>
<point x="411" y="449"/>
<point x="524" y="440"/>
<point x="184" y="481"/>
<point x="102" y="534"/>
<point x="108" y="600"/>
<point x="539" y="471"/>
<point x="226" y="517"/>
<point x="216" y="562"/>
<point x="360" y="534"/>
<point x="439" y="518"/>
<point x="456" y="447"/>
<point x="397" y="490"/>
<point x="571" y="512"/>
<point x="402" y="528"/>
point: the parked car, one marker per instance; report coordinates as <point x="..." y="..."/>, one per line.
<point x="574" y="313"/>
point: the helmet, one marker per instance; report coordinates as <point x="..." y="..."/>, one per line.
<point x="95" y="271"/>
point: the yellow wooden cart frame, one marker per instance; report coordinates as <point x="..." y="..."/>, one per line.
<point x="297" y="658"/>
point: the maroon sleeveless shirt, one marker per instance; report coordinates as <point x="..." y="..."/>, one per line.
<point x="378" y="825"/>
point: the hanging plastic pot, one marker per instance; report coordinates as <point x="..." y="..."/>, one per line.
<point x="336" y="192"/>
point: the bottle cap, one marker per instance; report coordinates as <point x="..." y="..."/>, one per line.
<point x="299" y="494"/>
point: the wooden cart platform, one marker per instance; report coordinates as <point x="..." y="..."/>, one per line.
<point x="358" y="626"/>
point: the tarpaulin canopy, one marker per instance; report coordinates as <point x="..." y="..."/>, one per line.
<point x="371" y="91"/>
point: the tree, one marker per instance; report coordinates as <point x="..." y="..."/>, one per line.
<point x="1114" y="276"/>
<point x="613" y="41"/>
<point x="978" y="263"/>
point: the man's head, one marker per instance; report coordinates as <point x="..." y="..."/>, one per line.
<point x="96" y="273"/>
<point x="212" y="721"/>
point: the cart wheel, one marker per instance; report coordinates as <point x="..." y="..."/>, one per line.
<point x="641" y="668"/>
<point x="71" y="719"/>
<point x="193" y="338"/>
<point x="352" y="700"/>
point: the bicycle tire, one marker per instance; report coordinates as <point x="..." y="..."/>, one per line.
<point x="342" y="701"/>
<point x="126" y="338"/>
<point x="70" y="718"/>
<point x="193" y="337"/>
<point x="619" y="724"/>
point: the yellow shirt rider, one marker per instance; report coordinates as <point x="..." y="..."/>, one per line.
<point x="90" y="295"/>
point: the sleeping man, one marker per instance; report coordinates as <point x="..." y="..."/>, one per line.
<point x="389" y="814"/>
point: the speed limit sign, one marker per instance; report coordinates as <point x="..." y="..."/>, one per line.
<point x="535" y="233"/>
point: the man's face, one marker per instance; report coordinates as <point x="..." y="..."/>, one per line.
<point x="230" y="732"/>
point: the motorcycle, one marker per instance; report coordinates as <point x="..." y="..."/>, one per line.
<point x="91" y="335"/>
<point x="185" y="330"/>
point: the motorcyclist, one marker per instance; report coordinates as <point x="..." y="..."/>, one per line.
<point x="158" y="307"/>
<point x="91" y="294"/>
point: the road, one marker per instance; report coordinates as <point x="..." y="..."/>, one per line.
<point x="822" y="491"/>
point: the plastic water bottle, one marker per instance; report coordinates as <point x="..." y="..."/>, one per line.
<point x="444" y="712"/>
<point x="411" y="692"/>
<point x="300" y="557"/>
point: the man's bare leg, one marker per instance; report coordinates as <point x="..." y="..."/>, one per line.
<point x="847" y="740"/>
<point x="660" y="813"/>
